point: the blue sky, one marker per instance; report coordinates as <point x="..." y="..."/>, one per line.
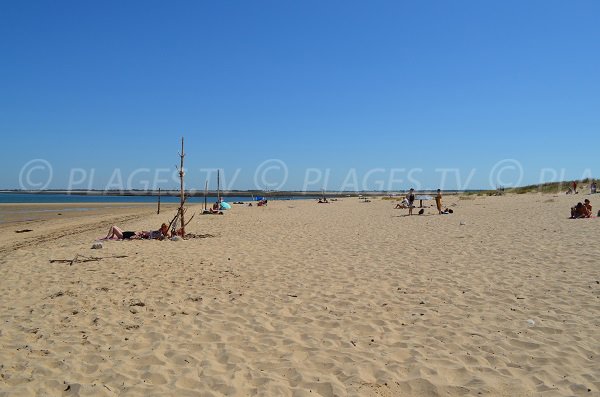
<point x="341" y="87"/>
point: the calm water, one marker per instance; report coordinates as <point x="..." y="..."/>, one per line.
<point x="20" y="198"/>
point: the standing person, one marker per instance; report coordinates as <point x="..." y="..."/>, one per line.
<point x="438" y="201"/>
<point x="411" y="200"/>
<point x="574" y="187"/>
<point x="593" y="188"/>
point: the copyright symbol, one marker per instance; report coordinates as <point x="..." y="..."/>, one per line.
<point x="506" y="173"/>
<point x="36" y="174"/>
<point x="271" y="174"/>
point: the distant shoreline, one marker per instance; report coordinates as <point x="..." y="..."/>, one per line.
<point x="229" y="193"/>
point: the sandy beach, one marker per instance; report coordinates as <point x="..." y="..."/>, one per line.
<point x="501" y="298"/>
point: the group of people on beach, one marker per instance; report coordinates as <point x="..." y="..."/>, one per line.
<point x="408" y="202"/>
<point x="215" y="209"/>
<point x="573" y="188"/>
<point x="582" y="210"/>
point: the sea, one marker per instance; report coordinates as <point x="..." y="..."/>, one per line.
<point x="94" y="202"/>
<point x="29" y="198"/>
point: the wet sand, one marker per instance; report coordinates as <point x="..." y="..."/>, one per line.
<point x="24" y="213"/>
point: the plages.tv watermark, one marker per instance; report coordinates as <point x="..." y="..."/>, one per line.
<point x="274" y="174"/>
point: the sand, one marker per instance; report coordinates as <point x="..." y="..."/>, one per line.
<point x="306" y="299"/>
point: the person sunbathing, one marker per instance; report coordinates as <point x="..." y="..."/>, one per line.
<point x="216" y="209"/>
<point x="580" y="211"/>
<point x="117" y="233"/>
<point x="588" y="206"/>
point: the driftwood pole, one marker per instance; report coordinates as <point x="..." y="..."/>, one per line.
<point x="182" y="194"/>
<point x="205" y="192"/>
<point x="219" y="187"/>
<point x="158" y="210"/>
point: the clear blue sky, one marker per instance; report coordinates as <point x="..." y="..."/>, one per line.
<point x="337" y="85"/>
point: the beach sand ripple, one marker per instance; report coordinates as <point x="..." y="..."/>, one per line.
<point x="305" y="299"/>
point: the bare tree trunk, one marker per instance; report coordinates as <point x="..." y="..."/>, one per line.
<point x="219" y="187"/>
<point x="158" y="210"/>
<point x="182" y="196"/>
<point x="205" y="192"/>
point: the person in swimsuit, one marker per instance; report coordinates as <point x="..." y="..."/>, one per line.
<point x="438" y="201"/>
<point x="403" y="204"/>
<point x="588" y="207"/>
<point x="580" y="211"/>
<point x="116" y="232"/>
<point x="216" y="209"/>
<point x="411" y="200"/>
<point x="159" y="234"/>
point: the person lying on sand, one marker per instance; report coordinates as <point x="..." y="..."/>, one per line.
<point x="116" y="233"/>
